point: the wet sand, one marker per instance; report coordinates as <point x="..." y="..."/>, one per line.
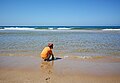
<point x="29" y="69"/>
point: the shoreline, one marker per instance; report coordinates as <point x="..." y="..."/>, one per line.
<point x="65" y="70"/>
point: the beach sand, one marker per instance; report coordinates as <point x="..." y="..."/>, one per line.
<point x="29" y="69"/>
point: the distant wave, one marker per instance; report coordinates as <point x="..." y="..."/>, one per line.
<point x="55" y="28"/>
<point x="86" y="28"/>
<point x="111" y="29"/>
<point x="50" y="28"/>
<point x="18" y="28"/>
<point x="63" y="28"/>
<point x="59" y="28"/>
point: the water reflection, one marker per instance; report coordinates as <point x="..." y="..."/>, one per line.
<point x="46" y="66"/>
<point x="47" y="70"/>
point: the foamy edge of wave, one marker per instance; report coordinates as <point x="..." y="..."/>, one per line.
<point x="111" y="29"/>
<point x="12" y="28"/>
<point x="84" y="57"/>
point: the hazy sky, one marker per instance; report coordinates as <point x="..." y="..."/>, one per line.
<point x="60" y="12"/>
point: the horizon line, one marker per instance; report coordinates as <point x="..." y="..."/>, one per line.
<point x="59" y="25"/>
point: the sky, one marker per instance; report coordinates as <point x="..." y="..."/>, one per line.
<point x="60" y="12"/>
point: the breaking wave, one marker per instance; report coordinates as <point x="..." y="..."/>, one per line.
<point x="111" y="29"/>
<point x="100" y="28"/>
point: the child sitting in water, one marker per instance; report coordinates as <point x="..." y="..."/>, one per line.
<point x="47" y="52"/>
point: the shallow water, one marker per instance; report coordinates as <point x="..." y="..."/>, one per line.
<point x="66" y="43"/>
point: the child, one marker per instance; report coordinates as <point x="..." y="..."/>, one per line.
<point x="47" y="52"/>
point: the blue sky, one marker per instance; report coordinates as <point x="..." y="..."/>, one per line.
<point x="60" y="12"/>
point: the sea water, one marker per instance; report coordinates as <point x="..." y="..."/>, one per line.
<point x="68" y="41"/>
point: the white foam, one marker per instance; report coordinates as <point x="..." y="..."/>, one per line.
<point x="66" y="57"/>
<point x="85" y="57"/>
<point x="17" y="28"/>
<point x="50" y="28"/>
<point x="111" y="29"/>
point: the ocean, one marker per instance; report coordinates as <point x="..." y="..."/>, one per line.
<point x="67" y="40"/>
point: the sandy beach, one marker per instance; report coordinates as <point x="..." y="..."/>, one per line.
<point x="29" y="69"/>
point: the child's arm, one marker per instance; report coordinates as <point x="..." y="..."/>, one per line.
<point x="52" y="57"/>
